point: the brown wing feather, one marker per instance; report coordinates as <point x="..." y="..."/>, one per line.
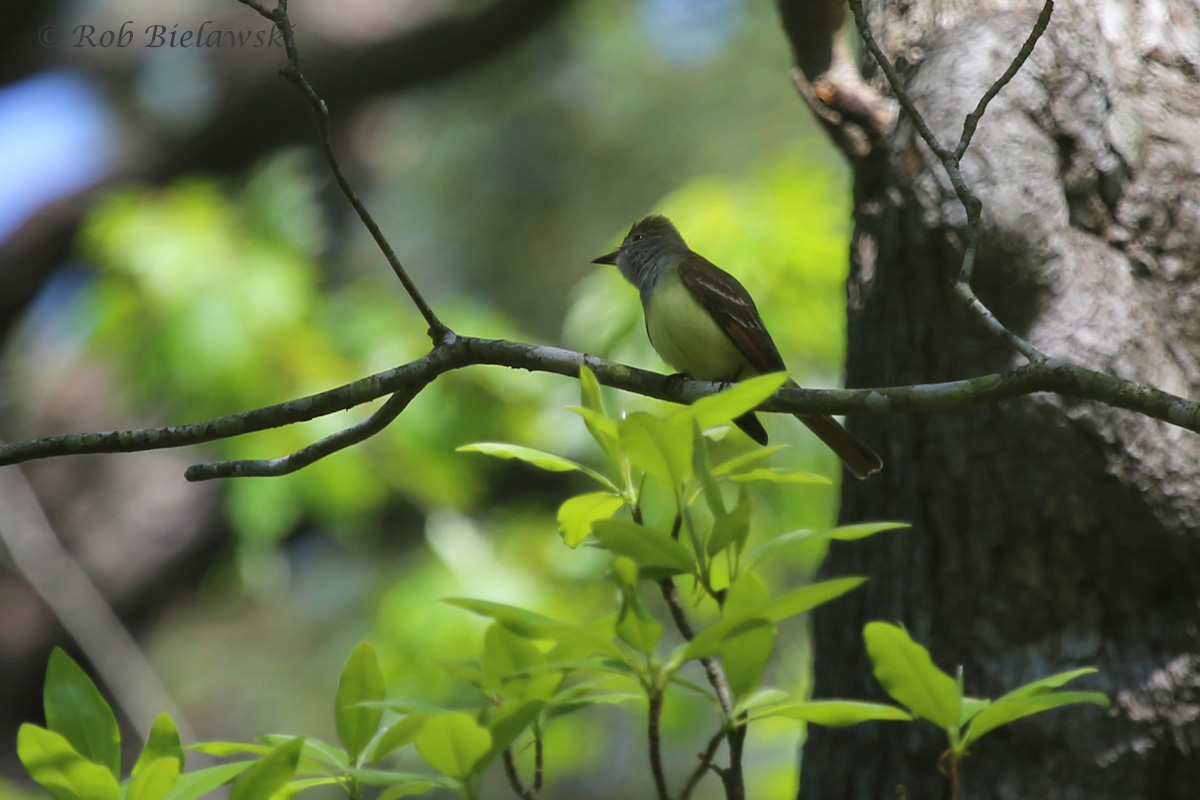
<point x="734" y="311"/>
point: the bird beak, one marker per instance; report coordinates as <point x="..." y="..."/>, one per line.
<point x="610" y="258"/>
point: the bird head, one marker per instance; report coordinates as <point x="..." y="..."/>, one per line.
<point x="644" y="248"/>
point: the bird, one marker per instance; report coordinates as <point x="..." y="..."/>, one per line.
<point x="705" y="325"/>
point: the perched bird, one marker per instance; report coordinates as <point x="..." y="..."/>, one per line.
<point x="706" y="326"/>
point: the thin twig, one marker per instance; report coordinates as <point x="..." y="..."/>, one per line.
<point x="951" y="162"/>
<point x="291" y="71"/>
<point x="1052" y="375"/>
<point x="660" y="779"/>
<point x="514" y="780"/>
<point x="712" y="667"/>
<point x="273" y="467"/>
<point x="706" y="762"/>
<point x="972" y="120"/>
<point x="537" y="760"/>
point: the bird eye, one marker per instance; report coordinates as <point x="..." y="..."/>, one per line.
<point x="637" y="237"/>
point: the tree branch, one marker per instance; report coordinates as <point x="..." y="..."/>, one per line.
<point x="1052" y="375"/>
<point x="660" y="779"/>
<point x="514" y="780"/>
<point x="706" y="762"/>
<point x="855" y="115"/>
<point x="291" y="71"/>
<point x="40" y="557"/>
<point x="261" y="468"/>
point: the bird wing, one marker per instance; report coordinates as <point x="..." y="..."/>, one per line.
<point x="733" y="309"/>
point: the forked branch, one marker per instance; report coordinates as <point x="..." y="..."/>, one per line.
<point x="451" y="352"/>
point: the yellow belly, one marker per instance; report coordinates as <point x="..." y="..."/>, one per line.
<point x="684" y="334"/>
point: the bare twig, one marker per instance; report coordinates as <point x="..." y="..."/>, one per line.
<point x="314" y="452"/>
<point x="712" y="670"/>
<point x="951" y="162"/>
<point x="291" y="71"/>
<point x="537" y="760"/>
<point x="514" y="780"/>
<point x="712" y="667"/>
<point x="706" y="762"/>
<point x="972" y="120"/>
<point x="656" y="767"/>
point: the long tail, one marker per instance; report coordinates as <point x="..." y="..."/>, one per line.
<point x="858" y="458"/>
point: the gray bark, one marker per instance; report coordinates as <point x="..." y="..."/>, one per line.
<point x="1047" y="534"/>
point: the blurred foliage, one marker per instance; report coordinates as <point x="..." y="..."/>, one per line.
<point x="532" y="670"/>
<point x="496" y="189"/>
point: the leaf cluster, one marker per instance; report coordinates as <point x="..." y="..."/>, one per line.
<point x="533" y="669"/>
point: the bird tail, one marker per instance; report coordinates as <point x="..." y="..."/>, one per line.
<point x="858" y="458"/>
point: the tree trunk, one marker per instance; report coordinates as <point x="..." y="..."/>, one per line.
<point x="1047" y="534"/>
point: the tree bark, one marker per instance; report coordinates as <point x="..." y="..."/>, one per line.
<point x="1047" y="534"/>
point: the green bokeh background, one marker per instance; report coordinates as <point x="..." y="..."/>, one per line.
<point x="496" y="189"/>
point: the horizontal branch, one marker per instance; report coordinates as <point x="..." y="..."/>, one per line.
<point x="457" y="352"/>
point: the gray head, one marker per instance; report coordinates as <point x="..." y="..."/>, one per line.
<point x="646" y="250"/>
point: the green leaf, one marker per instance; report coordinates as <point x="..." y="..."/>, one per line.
<point x="833" y="713"/>
<point x="725" y="406"/>
<point x="577" y="514"/>
<point x="76" y="710"/>
<point x="970" y="707"/>
<point x="418" y="787"/>
<point x="746" y="651"/>
<point x="504" y="653"/>
<point x="538" y="458"/>
<point x="787" y="541"/>
<point x="662" y="448"/>
<point x="797" y="601"/>
<point x="396" y="736"/>
<point x="453" y="743"/>
<point x="587" y="639"/>
<point x="849" y="533"/>
<point x="154" y="780"/>
<point x="269" y="774"/>
<point x="227" y="749"/>
<point x="732" y="529"/>
<point x="361" y="682"/>
<point x="712" y="493"/>
<point x="806" y="598"/>
<point x="589" y="391"/>
<point x="745" y="654"/>
<point x="636" y="626"/>
<point x="604" y="431"/>
<point x="585" y="701"/>
<point x="1048" y="683"/>
<point x="465" y="673"/>
<point x="747" y="592"/>
<point x="60" y="769"/>
<point x="778" y="476"/>
<point x="907" y="673"/>
<point x="192" y="785"/>
<point x="383" y="777"/>
<point x="1002" y="711"/>
<point x="757" y="698"/>
<point x="520" y="621"/>
<point x="745" y="460"/>
<point x="163" y="742"/>
<point x="315" y="755"/>
<point x="508" y="723"/>
<point x="648" y="547"/>
<point x="293" y="788"/>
